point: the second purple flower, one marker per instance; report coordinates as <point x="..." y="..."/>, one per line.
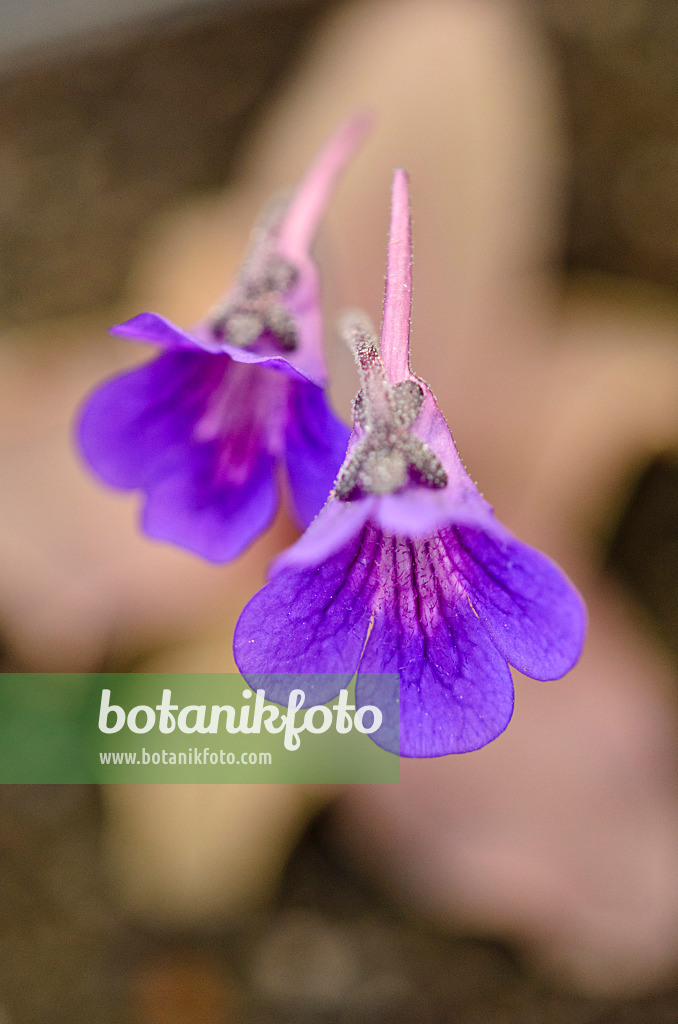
<point x="202" y="429"/>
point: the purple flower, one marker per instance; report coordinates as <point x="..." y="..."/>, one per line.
<point x="201" y="429"/>
<point x="406" y="569"/>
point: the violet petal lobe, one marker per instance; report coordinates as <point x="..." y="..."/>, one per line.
<point x="309" y="622"/>
<point x="534" y="615"/>
<point x="172" y="428"/>
<point x="456" y="691"/>
<point x="195" y="510"/>
<point x="315" y="447"/>
<point x="158" y="330"/>
<point x="135" y="426"/>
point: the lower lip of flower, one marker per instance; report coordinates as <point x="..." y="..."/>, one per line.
<point x="415" y="578"/>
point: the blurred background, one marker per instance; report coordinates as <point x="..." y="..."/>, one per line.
<point x="532" y="881"/>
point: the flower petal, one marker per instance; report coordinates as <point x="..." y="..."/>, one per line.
<point x="196" y="510"/>
<point x="335" y="526"/>
<point x="456" y="692"/>
<point x="532" y="612"/>
<point x="316" y="443"/>
<point x="281" y="364"/>
<point x="136" y="426"/>
<point x="310" y="620"/>
<point x="158" y="330"/>
<point x="419" y="512"/>
<point x="188" y="429"/>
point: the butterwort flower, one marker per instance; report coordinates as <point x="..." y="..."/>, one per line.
<point x="202" y="429"/>
<point x="406" y="569"/>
